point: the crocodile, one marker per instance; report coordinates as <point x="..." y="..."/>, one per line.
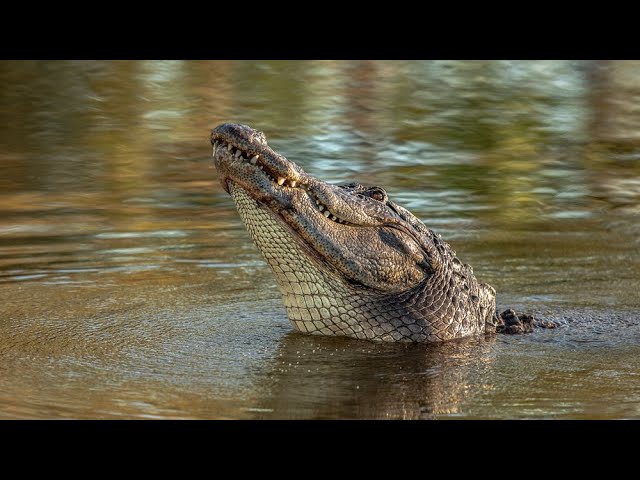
<point x="348" y="260"/>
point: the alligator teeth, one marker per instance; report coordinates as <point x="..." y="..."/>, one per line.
<point x="320" y="206"/>
<point x="327" y="213"/>
<point x="334" y="218"/>
<point x="239" y="154"/>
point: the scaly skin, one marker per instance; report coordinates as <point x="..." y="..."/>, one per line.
<point x="367" y="269"/>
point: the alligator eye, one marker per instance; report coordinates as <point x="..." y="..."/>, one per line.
<point x="378" y="194"/>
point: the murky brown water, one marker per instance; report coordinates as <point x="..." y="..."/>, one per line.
<point x="130" y="289"/>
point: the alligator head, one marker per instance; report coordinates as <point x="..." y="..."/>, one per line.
<point x="348" y="260"/>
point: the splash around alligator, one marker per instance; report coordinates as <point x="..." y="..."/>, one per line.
<point x="349" y="261"/>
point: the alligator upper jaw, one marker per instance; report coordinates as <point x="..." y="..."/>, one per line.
<point x="242" y="155"/>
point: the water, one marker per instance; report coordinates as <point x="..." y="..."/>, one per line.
<point x="130" y="289"/>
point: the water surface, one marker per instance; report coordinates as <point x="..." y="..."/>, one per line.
<point x="129" y="287"/>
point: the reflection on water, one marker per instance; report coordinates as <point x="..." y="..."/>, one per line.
<point x="333" y="378"/>
<point x="130" y="288"/>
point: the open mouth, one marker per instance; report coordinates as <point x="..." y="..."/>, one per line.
<point x="232" y="153"/>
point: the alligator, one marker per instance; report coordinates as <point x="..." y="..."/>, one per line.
<point x="348" y="260"/>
